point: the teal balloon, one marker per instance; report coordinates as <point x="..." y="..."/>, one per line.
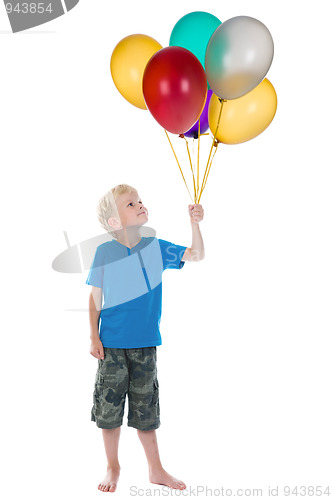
<point x="193" y="32"/>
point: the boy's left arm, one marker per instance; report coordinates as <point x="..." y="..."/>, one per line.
<point x="196" y="251"/>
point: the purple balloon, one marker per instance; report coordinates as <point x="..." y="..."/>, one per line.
<point x="204" y="118"/>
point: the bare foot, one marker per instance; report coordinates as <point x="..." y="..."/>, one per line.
<point x="160" y="476"/>
<point x="110" y="481"/>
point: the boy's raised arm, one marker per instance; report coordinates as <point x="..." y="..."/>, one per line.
<point x="196" y="252"/>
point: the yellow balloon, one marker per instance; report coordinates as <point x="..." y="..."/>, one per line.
<point x="244" y="118"/>
<point x="128" y="62"/>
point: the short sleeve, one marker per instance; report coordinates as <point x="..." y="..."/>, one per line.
<point x="172" y="254"/>
<point x="96" y="273"/>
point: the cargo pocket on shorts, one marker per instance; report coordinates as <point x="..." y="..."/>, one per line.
<point x="99" y="385"/>
<point x="155" y="396"/>
<point x="97" y="396"/>
<point x="156" y="401"/>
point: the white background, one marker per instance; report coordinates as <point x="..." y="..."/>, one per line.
<point x="245" y="365"/>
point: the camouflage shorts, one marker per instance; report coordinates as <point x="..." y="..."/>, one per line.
<point x="122" y="372"/>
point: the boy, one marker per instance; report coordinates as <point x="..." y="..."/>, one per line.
<point x="126" y="273"/>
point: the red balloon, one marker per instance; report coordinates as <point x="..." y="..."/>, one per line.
<point x="175" y="88"/>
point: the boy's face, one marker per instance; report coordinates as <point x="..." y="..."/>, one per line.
<point x="131" y="209"/>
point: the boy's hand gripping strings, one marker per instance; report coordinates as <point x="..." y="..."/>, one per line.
<point x="196" y="213"/>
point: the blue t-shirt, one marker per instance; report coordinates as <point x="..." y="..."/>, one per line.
<point x="131" y="280"/>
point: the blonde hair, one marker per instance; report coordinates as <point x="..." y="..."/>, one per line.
<point x="107" y="208"/>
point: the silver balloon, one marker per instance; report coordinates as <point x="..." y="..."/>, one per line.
<point x="238" y="56"/>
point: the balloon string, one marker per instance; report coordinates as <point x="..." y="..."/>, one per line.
<point x="203" y="186"/>
<point x="191" y="166"/>
<point x="178" y="163"/>
<point x="213" y="142"/>
<point x="194" y="166"/>
<point x="193" y="157"/>
<point x="199" y="140"/>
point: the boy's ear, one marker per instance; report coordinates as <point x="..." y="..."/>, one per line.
<point x="114" y="223"/>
